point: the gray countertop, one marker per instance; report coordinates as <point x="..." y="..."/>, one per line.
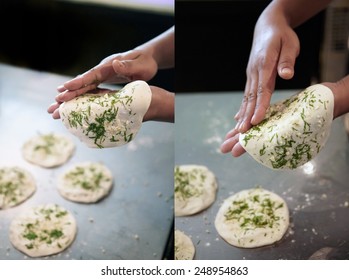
<point x="134" y="221"/>
<point x="317" y="194"/>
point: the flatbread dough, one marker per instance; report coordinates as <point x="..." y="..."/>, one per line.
<point x="184" y="247"/>
<point x="252" y="218"/>
<point x="16" y="186"/>
<point x="195" y="189"/>
<point x="48" y="150"/>
<point x="107" y="120"/>
<point x="86" y="182"/>
<point x="294" y="131"/>
<point x="43" y="230"/>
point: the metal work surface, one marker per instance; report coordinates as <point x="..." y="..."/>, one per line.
<point x="317" y="193"/>
<point x="134" y="221"/>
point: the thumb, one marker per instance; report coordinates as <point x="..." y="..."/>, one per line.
<point x="287" y="59"/>
<point x="124" y="68"/>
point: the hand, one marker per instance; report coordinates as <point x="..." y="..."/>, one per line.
<point x="161" y="107"/>
<point x="231" y="144"/>
<point x="54" y="107"/>
<point x="118" y="68"/>
<point x="274" y="51"/>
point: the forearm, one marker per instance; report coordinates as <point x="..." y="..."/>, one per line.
<point x="340" y="91"/>
<point x="297" y="12"/>
<point x="162" y="49"/>
<point x="161" y="107"/>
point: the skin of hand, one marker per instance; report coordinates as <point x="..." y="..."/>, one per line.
<point x="142" y="63"/>
<point x="340" y="92"/>
<point x="274" y="51"/>
<point x="161" y="107"/>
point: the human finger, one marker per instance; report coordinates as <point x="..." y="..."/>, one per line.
<point x="288" y="55"/>
<point x="229" y="143"/>
<point x="237" y="150"/>
<point x="264" y="92"/>
<point x="53" y="107"/>
<point x="231" y="133"/>
<point x="70" y="94"/>
<point x="55" y="114"/>
<point x="239" y="116"/>
<point x="245" y="123"/>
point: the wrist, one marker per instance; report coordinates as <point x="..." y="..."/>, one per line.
<point x="340" y="92"/>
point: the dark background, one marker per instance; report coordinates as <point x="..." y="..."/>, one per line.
<point x="213" y="42"/>
<point x="70" y="38"/>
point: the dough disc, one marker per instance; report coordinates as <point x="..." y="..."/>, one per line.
<point x="43" y="230"/>
<point x="184" y="247"/>
<point x="252" y="218"/>
<point x="86" y="182"/>
<point x="195" y="189"/>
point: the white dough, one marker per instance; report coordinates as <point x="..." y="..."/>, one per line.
<point x="184" y="247"/>
<point x="43" y="230"/>
<point x="195" y="189"/>
<point x="86" y="182"/>
<point x="16" y="186"/>
<point x="252" y="218"/>
<point x="107" y="120"/>
<point x="294" y="131"/>
<point x="48" y="150"/>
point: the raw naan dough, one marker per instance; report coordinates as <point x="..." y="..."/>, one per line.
<point x="86" y="182"/>
<point x="195" y="189"/>
<point x="16" y="186"/>
<point x="294" y="131"/>
<point x="252" y="218"/>
<point x="184" y="247"/>
<point x="43" y="230"/>
<point x="48" y="150"/>
<point x="107" y="120"/>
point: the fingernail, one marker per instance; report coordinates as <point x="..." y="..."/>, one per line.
<point x="286" y="71"/>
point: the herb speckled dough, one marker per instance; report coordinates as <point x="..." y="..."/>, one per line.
<point x="16" y="186"/>
<point x="252" y="218"/>
<point x="107" y="120"/>
<point x="184" y="247"/>
<point x="86" y="182"/>
<point x="294" y="131"/>
<point x="195" y="189"/>
<point x="43" y="230"/>
<point x="48" y="150"/>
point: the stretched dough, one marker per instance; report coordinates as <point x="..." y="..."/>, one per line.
<point x="294" y="131"/>
<point x="107" y="120"/>
<point x="252" y="218"/>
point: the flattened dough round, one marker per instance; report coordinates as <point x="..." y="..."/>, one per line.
<point x="107" y="120"/>
<point x="294" y="131"/>
<point x="86" y="182"/>
<point x="184" y="247"/>
<point x="195" y="189"/>
<point x="252" y="218"/>
<point x="16" y="186"/>
<point x="43" y="230"/>
<point x="48" y="150"/>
